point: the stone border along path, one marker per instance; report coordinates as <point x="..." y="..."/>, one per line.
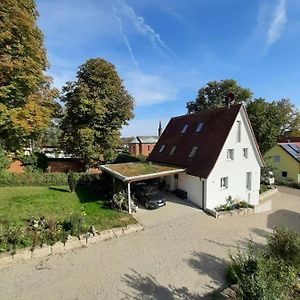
<point x="85" y="240"/>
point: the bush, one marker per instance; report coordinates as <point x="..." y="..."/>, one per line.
<point x="123" y="158"/>
<point x="120" y="201"/>
<point x="32" y="179"/>
<point x="35" y="162"/>
<point x="72" y="181"/>
<point x="74" y="225"/>
<point x="259" y="277"/>
<point x="4" y="160"/>
<point x="285" y="245"/>
<point x="271" y="273"/>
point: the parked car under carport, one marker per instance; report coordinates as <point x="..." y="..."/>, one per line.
<point x="148" y="195"/>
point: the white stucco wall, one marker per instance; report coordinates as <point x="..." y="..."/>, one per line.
<point x="193" y="186"/>
<point x="235" y="170"/>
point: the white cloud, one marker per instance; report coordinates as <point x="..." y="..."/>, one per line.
<point x="124" y="36"/>
<point x="149" y="89"/>
<point x="145" y="29"/>
<point x="277" y="23"/>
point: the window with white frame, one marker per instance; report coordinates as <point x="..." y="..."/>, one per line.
<point x="184" y="128"/>
<point x="172" y="150"/>
<point x="224" y="183"/>
<point x="284" y="174"/>
<point x="245" y="152"/>
<point x="162" y="148"/>
<point x="238" y="131"/>
<point x="248" y="180"/>
<point x="230" y="154"/>
<point x="276" y="158"/>
<point x="193" y="152"/>
<point x="199" y="127"/>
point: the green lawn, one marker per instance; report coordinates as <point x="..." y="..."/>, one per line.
<point x="17" y="204"/>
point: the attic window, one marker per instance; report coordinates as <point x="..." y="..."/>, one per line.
<point x="193" y="152"/>
<point x="199" y="127"/>
<point x="172" y="150"/>
<point x="162" y="148"/>
<point x="184" y="128"/>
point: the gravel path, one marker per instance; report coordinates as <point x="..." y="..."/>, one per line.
<point x="183" y="258"/>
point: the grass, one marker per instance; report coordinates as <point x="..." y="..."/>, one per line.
<point x="135" y="168"/>
<point x="18" y="204"/>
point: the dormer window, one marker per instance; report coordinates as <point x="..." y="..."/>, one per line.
<point x="193" y="152"/>
<point x="172" y="150"/>
<point x="162" y="148"/>
<point x="199" y="127"/>
<point x="184" y="128"/>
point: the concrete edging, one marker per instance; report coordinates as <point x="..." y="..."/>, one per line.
<point x="85" y="240"/>
<point x="267" y="194"/>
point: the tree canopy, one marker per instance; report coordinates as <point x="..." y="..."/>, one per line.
<point x="269" y="119"/>
<point x="96" y="107"/>
<point x="214" y="93"/>
<point x="26" y="98"/>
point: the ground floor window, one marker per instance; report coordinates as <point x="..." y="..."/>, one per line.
<point x="284" y="174"/>
<point x="224" y="182"/>
<point x="248" y="180"/>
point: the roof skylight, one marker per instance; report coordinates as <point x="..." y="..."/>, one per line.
<point x="172" y="150"/>
<point x="199" y="127"/>
<point x="184" y="128"/>
<point x="162" y="148"/>
<point x="193" y="152"/>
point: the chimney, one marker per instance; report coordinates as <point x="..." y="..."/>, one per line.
<point x="159" y="129"/>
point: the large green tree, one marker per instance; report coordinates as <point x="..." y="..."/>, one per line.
<point x="272" y="119"/>
<point x="214" y="93"/>
<point x="96" y="107"/>
<point x="26" y="97"/>
<point x="269" y="119"/>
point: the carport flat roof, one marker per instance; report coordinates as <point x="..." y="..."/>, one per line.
<point x="135" y="171"/>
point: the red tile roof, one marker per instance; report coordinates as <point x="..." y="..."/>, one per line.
<point x="210" y="140"/>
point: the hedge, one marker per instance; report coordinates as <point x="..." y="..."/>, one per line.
<point x="32" y="179"/>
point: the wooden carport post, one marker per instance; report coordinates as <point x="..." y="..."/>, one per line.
<point x="129" y="197"/>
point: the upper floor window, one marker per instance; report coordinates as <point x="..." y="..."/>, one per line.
<point x="193" y="152"/>
<point x="224" y="183"/>
<point x="172" y="150"/>
<point x="230" y="154"/>
<point x="238" y="131"/>
<point x="162" y="148"/>
<point x="199" y="127"/>
<point x="184" y="128"/>
<point x="276" y="158"/>
<point x="245" y="152"/>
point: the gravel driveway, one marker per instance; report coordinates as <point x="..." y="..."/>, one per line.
<point x="181" y="258"/>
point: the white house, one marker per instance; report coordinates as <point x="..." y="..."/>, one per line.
<point x="218" y="150"/>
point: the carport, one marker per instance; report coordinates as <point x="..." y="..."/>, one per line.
<point x="135" y="171"/>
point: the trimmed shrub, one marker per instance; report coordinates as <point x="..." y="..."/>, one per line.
<point x="72" y="182"/>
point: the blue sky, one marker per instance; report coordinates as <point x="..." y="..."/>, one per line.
<point x="166" y="50"/>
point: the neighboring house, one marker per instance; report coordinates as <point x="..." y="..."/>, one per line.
<point x="142" y="145"/>
<point x="285" y="159"/>
<point x="218" y="150"/>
